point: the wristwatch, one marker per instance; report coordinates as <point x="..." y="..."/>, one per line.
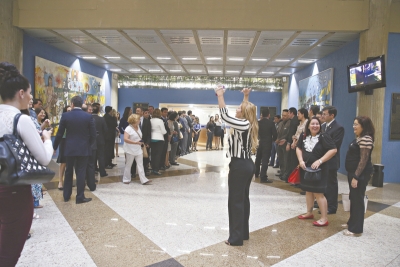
<point x="320" y="161"/>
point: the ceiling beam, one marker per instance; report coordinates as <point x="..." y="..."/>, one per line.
<point x="196" y="38"/>
<point x="253" y="45"/>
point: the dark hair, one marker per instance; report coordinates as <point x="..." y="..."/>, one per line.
<point x="162" y="109"/>
<point x="38" y="110"/>
<point x="11" y="81"/>
<point x="307" y="131"/>
<point x="65" y="109"/>
<point x="314" y="109"/>
<point x="189" y="112"/>
<point x="36" y="100"/>
<point x="77" y="101"/>
<point x="183" y="112"/>
<point x="145" y="109"/>
<point x="331" y="110"/>
<point x="293" y="110"/>
<point x="265" y="112"/>
<point x="151" y="107"/>
<point x="95" y="109"/>
<point x="108" y="109"/>
<point x="367" y="126"/>
<point x="210" y="118"/>
<point x="285" y="110"/>
<point x="277" y="116"/>
<point x="127" y="110"/>
<point x="84" y="108"/>
<point x="172" y="116"/>
<point x="304" y="111"/>
<point x="319" y="113"/>
<point x="26" y="112"/>
<point x="179" y="113"/>
<point x="140" y="109"/>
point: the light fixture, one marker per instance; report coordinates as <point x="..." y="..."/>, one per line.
<point x="232" y="71"/>
<point x="89" y="57"/>
<point x="214" y="58"/>
<point x="259" y="59"/>
<point x="112" y="57"/>
<point x="164" y="58"/>
<point x="235" y="59"/>
<point x="267" y="72"/>
<point x="138" y="57"/>
<point x="175" y="70"/>
<point x="135" y="70"/>
<point x="214" y="71"/>
<point x="189" y="58"/>
<point x="195" y="70"/>
<point x="115" y="69"/>
<point x="285" y="73"/>
<point x="282" y="60"/>
<point x="250" y="72"/>
<point x="306" y="60"/>
<point x="151" y="70"/>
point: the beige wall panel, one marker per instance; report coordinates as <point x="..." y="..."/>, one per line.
<point x="373" y="42"/>
<point x="114" y="91"/>
<point x="395" y="17"/>
<point x="285" y="97"/>
<point x="323" y="15"/>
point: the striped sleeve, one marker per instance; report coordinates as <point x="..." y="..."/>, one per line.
<point x="365" y="142"/>
<point x="235" y="123"/>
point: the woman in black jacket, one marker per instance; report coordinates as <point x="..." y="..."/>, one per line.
<point x="210" y="132"/>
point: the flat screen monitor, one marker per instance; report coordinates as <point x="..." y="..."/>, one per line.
<point x="367" y="75"/>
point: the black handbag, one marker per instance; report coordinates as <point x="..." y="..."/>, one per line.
<point x="311" y="174"/>
<point x="17" y="164"/>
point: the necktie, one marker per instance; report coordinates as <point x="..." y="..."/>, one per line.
<point x="140" y="125"/>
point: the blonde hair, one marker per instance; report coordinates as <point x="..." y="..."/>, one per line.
<point x="134" y="118"/>
<point x="249" y="113"/>
<point x="157" y="113"/>
<point x="113" y="113"/>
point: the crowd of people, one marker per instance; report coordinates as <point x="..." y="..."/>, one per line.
<point x="154" y="138"/>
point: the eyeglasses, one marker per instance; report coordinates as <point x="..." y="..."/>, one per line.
<point x="355" y="124"/>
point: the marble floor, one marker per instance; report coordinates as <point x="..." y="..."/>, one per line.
<point x="182" y="220"/>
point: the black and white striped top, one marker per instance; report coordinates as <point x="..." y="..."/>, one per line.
<point x="239" y="137"/>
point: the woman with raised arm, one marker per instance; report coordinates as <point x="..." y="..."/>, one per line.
<point x="243" y="141"/>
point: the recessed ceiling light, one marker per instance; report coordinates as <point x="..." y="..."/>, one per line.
<point x="89" y="57"/>
<point x="259" y="59"/>
<point x="154" y="70"/>
<point x="195" y="70"/>
<point x="282" y="60"/>
<point x="235" y="59"/>
<point x="232" y="71"/>
<point x="250" y="72"/>
<point x="175" y="70"/>
<point x="164" y="58"/>
<point x="306" y="60"/>
<point x="267" y="72"/>
<point x="214" y="71"/>
<point x="285" y="73"/>
<point x="189" y="58"/>
<point x="135" y="70"/>
<point x="214" y="58"/>
<point x="112" y="57"/>
<point x="138" y="57"/>
<point x="115" y="69"/>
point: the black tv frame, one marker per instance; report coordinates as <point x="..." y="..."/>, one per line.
<point x="369" y="87"/>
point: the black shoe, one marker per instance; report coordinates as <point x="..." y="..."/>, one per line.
<point x="29" y="236"/>
<point x="297" y="185"/>
<point x="271" y="165"/>
<point x="156" y="172"/>
<point x="66" y="200"/>
<point x="266" y="181"/>
<point x="133" y="176"/>
<point x="113" y="164"/>
<point x="302" y="193"/>
<point x="96" y="172"/>
<point x="85" y="200"/>
<point x="257" y="175"/>
<point x="162" y="168"/>
<point x="329" y="212"/>
<point x="175" y="164"/>
<point x="316" y="205"/>
<point x="278" y="174"/>
<point x="96" y="180"/>
<point x="104" y="175"/>
<point x="276" y="166"/>
<point x="108" y="167"/>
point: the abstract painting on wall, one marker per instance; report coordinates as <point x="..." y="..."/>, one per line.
<point x="56" y="84"/>
<point x="316" y="90"/>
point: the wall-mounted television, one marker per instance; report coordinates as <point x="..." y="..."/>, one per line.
<point x="367" y="75"/>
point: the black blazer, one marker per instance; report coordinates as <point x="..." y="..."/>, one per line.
<point x="146" y="131"/>
<point x="266" y="132"/>
<point x="81" y="133"/>
<point x="101" y="128"/>
<point x="111" y="126"/>
<point x="336" y="132"/>
<point x="294" y="123"/>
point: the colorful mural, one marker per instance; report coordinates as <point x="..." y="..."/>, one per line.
<point x="55" y="84"/>
<point x="316" y="90"/>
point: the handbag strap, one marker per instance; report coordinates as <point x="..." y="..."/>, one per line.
<point x="137" y="133"/>
<point x="15" y="124"/>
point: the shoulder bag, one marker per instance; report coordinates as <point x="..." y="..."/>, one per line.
<point x="17" y="164"/>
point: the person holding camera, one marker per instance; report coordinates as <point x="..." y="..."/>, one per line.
<point x="133" y="144"/>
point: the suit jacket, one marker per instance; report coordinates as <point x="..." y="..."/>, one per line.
<point x="266" y="131"/>
<point x="294" y="123"/>
<point x="283" y="129"/>
<point x="166" y="136"/>
<point x="81" y="133"/>
<point x="101" y="128"/>
<point x="146" y="131"/>
<point x="336" y="132"/>
<point x="111" y="126"/>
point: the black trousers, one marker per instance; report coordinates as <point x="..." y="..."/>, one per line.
<point x="283" y="158"/>
<point x="210" y="136"/>
<point x="109" y="152"/>
<point x="357" y="205"/>
<point x="156" y="151"/>
<point x="80" y="163"/>
<point x="292" y="162"/>
<point x="332" y="189"/>
<point x="90" y="176"/>
<point x="163" y="154"/>
<point x="100" y="159"/>
<point x="241" y="172"/>
<point x="263" y="154"/>
<point x="222" y="138"/>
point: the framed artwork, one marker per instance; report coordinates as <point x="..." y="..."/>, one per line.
<point x="56" y="84"/>
<point x="316" y="90"/>
<point x="395" y="118"/>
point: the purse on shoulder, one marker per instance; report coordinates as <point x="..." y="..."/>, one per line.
<point x="18" y="165"/>
<point x="311" y="174"/>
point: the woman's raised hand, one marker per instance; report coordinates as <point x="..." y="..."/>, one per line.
<point x="246" y="91"/>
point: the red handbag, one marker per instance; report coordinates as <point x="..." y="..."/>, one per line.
<point x="294" y="177"/>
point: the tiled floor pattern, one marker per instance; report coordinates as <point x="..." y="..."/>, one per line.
<point x="181" y="220"/>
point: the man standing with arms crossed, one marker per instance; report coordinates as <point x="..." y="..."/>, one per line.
<point x="283" y="130"/>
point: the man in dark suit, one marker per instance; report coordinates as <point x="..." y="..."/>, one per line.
<point x="292" y="161"/>
<point x="336" y="131"/>
<point x="266" y="135"/>
<point x="167" y="137"/>
<point x="190" y="124"/>
<point x="90" y="169"/>
<point x="272" y="162"/>
<point x="101" y="128"/>
<point x="78" y="147"/>
<point x="110" y="138"/>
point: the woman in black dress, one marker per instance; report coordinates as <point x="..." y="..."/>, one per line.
<point x="210" y="132"/>
<point x="359" y="169"/>
<point x="61" y="159"/>
<point x="314" y="150"/>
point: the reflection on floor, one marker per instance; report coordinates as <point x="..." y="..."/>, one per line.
<point x="182" y="220"/>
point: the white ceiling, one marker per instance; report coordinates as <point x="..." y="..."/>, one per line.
<point x="197" y="52"/>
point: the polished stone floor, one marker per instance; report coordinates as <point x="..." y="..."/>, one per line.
<point x="182" y="220"/>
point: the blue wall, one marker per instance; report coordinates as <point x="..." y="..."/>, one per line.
<point x="390" y="148"/>
<point x="127" y="96"/>
<point x="33" y="47"/>
<point x="345" y="103"/>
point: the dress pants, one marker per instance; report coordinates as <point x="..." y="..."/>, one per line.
<point x="80" y="163"/>
<point x="146" y="162"/>
<point x="357" y="205"/>
<point x="241" y="172"/>
<point x="156" y="150"/>
<point x="292" y="162"/>
<point x="109" y="152"/>
<point x="263" y="154"/>
<point x="16" y="212"/>
<point x="164" y="154"/>
<point x="139" y="163"/>
<point x="90" y="176"/>
<point x="100" y="159"/>
<point x="222" y="138"/>
<point x="172" y="153"/>
<point x="283" y="158"/>
<point x="210" y="136"/>
<point x="183" y="143"/>
<point x="332" y="189"/>
<point x="189" y="140"/>
<point x="273" y="154"/>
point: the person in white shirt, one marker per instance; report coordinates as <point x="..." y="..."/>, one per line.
<point x="133" y="148"/>
<point x="157" y="140"/>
